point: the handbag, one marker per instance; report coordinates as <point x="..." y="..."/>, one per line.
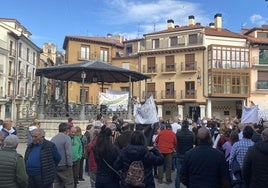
<point x="115" y="171"/>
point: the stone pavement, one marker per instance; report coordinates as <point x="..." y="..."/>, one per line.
<point x="86" y="184"/>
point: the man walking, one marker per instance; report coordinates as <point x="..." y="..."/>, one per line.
<point x="204" y="166"/>
<point x="185" y="142"/>
<point x="12" y="166"/>
<point x="255" y="166"/>
<point x="64" y="173"/>
<point x="166" y="143"/>
<point x="42" y="158"/>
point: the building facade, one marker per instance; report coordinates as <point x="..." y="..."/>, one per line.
<point x="19" y="58"/>
<point x="196" y="71"/>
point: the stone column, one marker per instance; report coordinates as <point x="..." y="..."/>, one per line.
<point x="160" y="110"/>
<point x="202" y="111"/>
<point x="209" y="107"/>
<point x="180" y="111"/>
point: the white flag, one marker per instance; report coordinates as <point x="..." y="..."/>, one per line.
<point x="250" y="114"/>
<point x="146" y="113"/>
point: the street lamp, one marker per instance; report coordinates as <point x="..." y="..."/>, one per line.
<point x="82" y="112"/>
<point x="199" y="79"/>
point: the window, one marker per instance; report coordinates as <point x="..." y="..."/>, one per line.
<point x="170" y="65"/>
<point x="104" y="54"/>
<point x="151" y="67"/>
<point x="263" y="56"/>
<point x="155" y="43"/>
<point x="11" y="50"/>
<point x="128" y="49"/>
<point x="170" y="93"/>
<point x="125" y="89"/>
<point x="173" y="41"/>
<point x="34" y="58"/>
<point x="190" y="62"/>
<point x="262" y="35"/>
<point x="20" y="49"/>
<point x="189" y="90"/>
<point x="262" y="82"/>
<point x="193" y="39"/>
<point x="85" y="52"/>
<point x="28" y="54"/>
<point x="150" y="90"/>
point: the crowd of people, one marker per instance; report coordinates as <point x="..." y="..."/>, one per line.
<point x="207" y="153"/>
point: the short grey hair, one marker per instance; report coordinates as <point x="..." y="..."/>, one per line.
<point x="11" y="141"/>
<point x="43" y="133"/>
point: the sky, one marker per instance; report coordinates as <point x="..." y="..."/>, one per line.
<point x="53" y="20"/>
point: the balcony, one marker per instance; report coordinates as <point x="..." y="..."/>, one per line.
<point x="262" y="84"/>
<point x="168" y="68"/>
<point x="168" y="95"/>
<point x="189" y="67"/>
<point x="147" y="94"/>
<point x="149" y="70"/>
<point x="190" y="94"/>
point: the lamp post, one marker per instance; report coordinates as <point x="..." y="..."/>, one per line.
<point x="82" y="112"/>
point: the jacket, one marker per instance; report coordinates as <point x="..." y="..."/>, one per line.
<point x="166" y="141"/>
<point x="204" y="167"/>
<point x="91" y="160"/>
<point x="12" y="169"/>
<point x="255" y="166"/>
<point x="135" y="153"/>
<point x="49" y="159"/>
<point x="185" y="141"/>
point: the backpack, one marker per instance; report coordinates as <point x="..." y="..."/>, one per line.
<point x="135" y="174"/>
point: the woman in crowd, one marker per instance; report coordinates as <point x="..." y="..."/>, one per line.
<point x="137" y="151"/>
<point x="105" y="153"/>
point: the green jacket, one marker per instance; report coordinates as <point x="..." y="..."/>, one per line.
<point x="12" y="169"/>
<point x="77" y="149"/>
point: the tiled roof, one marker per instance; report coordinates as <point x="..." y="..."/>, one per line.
<point x="105" y="40"/>
<point x="257" y="40"/>
<point x="208" y="31"/>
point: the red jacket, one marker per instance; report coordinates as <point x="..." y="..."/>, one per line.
<point x="91" y="160"/>
<point x="166" y="141"/>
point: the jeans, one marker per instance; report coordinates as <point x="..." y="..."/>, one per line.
<point x="179" y="162"/>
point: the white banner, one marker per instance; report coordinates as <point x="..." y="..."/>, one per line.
<point x="146" y="113"/>
<point x="250" y="114"/>
<point x="114" y="100"/>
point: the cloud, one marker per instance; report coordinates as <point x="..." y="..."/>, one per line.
<point x="257" y="19"/>
<point x="149" y="16"/>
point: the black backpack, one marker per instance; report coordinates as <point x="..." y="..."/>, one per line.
<point x="135" y="174"/>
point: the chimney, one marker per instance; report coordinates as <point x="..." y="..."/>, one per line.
<point x="211" y="25"/>
<point x="170" y="24"/>
<point x="191" y="20"/>
<point x="177" y="26"/>
<point x="218" y="21"/>
<point x="109" y="35"/>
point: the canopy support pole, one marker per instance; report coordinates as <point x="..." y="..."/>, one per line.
<point x="41" y="110"/>
<point x="129" y="114"/>
<point x="82" y="112"/>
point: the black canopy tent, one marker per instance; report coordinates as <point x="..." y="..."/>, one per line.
<point x="88" y="72"/>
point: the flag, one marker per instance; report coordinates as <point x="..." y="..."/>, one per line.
<point x="146" y="113"/>
<point x="250" y="114"/>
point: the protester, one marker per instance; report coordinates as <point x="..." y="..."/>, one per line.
<point x="87" y="135"/>
<point x="204" y="166"/>
<point x="166" y="142"/>
<point x="70" y="123"/>
<point x="105" y="153"/>
<point x="124" y="138"/>
<point x="1" y="140"/>
<point x="64" y="174"/>
<point x="137" y="151"/>
<point x="77" y="153"/>
<point x="83" y="140"/>
<point x="91" y="160"/>
<point x="185" y="142"/>
<point x="42" y="158"/>
<point x="8" y="128"/>
<point x="176" y="124"/>
<point x="12" y="166"/>
<point x="255" y="165"/>
<point x="34" y="125"/>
